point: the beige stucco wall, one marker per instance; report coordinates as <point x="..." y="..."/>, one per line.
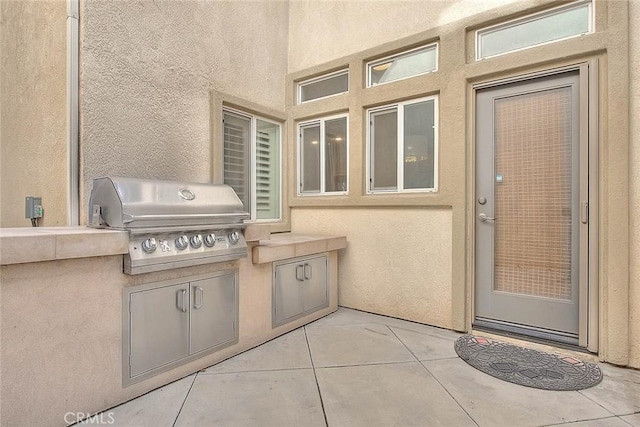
<point x="147" y="69"/>
<point x="634" y="196"/>
<point x="33" y="127"/>
<point x="313" y="50"/>
<point x="397" y="261"/>
<point x="321" y="31"/>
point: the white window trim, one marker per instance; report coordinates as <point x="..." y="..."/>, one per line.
<point x="252" y="160"/>
<point x="299" y="85"/>
<point x="379" y="61"/>
<point x="321" y="121"/>
<point x="533" y="17"/>
<point x="400" y="147"/>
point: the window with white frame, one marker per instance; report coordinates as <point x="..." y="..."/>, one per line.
<point x="414" y="62"/>
<point x="323" y="86"/>
<point x="540" y="28"/>
<point x="252" y="162"/>
<point x="402" y="147"/>
<point x="322" y="156"/>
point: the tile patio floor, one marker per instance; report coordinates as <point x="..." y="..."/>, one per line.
<point x="358" y="369"/>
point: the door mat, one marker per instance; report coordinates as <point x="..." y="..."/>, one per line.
<point x="526" y="366"/>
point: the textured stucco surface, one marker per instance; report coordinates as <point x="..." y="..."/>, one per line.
<point x="618" y="206"/>
<point x="397" y="261"/>
<point x="32" y="93"/>
<point x="147" y="68"/>
<point x="634" y="190"/>
<point x="321" y="31"/>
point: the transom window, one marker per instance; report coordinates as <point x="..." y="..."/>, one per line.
<point x="322" y="156"/>
<point x="552" y="25"/>
<point x="414" y="62"/>
<point x="252" y="162"/>
<point x="323" y="86"/>
<point x="402" y="147"/>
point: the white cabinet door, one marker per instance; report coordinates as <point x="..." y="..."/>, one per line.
<point x="159" y="328"/>
<point x="213" y="312"/>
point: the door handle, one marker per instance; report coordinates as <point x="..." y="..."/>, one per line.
<point x="198" y="291"/>
<point x="484" y="218"/>
<point x="307" y="276"/>
<point x="300" y="272"/>
<point x="182" y="303"/>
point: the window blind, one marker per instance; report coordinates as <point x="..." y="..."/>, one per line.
<point x="237" y="132"/>
<point x="267" y="177"/>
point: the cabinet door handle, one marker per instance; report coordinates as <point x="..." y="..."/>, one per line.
<point x="300" y="272"/>
<point x="198" y="291"/>
<point x="307" y="276"/>
<point x="182" y="303"/>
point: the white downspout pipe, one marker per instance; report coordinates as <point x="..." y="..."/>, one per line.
<point x="73" y="172"/>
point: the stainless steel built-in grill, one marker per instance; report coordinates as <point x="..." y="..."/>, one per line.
<point x="171" y="224"/>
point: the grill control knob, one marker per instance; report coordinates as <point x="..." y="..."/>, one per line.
<point x="210" y="240"/>
<point x="234" y="237"/>
<point x="182" y="242"/>
<point x="196" y="241"/>
<point x="150" y="245"/>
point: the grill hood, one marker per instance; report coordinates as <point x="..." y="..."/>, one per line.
<point x="145" y="205"/>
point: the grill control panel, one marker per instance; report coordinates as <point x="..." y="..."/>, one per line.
<point x="162" y="251"/>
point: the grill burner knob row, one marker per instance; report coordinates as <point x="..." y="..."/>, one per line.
<point x="196" y="241"/>
<point x="234" y="237"/>
<point x="150" y="245"/>
<point x="210" y="240"/>
<point x="182" y="242"/>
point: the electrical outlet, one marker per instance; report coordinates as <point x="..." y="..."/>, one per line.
<point x="33" y="207"/>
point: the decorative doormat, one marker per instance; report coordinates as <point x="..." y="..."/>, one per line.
<point x="525" y="366"/>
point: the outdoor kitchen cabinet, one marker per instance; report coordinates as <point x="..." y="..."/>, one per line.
<point x="168" y="324"/>
<point x="159" y="327"/>
<point x="213" y="312"/>
<point x="300" y="287"/>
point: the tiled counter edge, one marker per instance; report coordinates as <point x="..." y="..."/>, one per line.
<point x="36" y="244"/>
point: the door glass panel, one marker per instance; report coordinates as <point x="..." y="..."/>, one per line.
<point x="533" y="194"/>
<point x="335" y="155"/>
<point x="384" y="137"/>
<point x="310" y="162"/>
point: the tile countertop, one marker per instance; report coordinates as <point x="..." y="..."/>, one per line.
<point x="35" y="244"/>
<point x="290" y="245"/>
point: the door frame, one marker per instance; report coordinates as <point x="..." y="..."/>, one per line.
<point x="589" y="137"/>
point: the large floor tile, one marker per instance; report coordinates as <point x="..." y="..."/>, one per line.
<point x="348" y="316"/>
<point x="633" y="420"/>
<point x="289" y="351"/>
<point x="425" y="343"/>
<point x="402" y="394"/>
<point x="155" y="409"/>
<point x="619" y="391"/>
<point x="355" y="345"/>
<point x="493" y="402"/>
<point x="602" y="422"/>
<point x="267" y="398"/>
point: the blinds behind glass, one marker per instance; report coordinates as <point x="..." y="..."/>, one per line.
<point x="237" y="131"/>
